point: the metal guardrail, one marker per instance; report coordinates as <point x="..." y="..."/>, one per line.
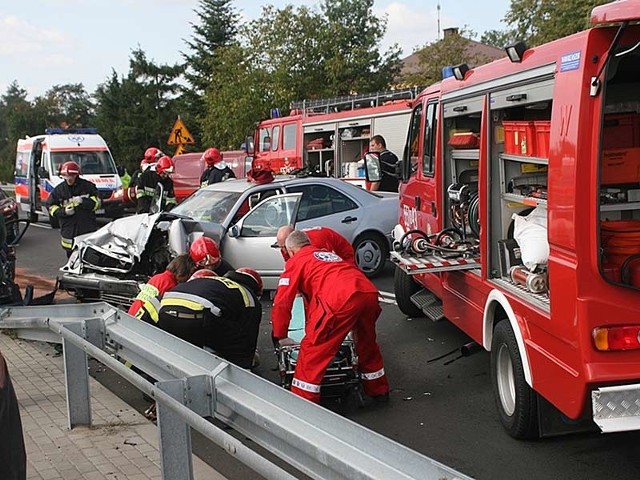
<point x="193" y="384"/>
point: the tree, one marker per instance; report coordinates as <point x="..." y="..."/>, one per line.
<point x="237" y="98"/>
<point x="137" y="111"/>
<point x="540" y="21"/>
<point x="498" y="38"/>
<point x="351" y="48"/>
<point x="69" y="104"/>
<point x="453" y="49"/>
<point x="217" y="28"/>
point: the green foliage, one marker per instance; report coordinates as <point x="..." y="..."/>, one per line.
<point x="217" y="28"/>
<point x="138" y="111"/>
<point x="498" y="38"/>
<point x="232" y="106"/>
<point x="541" y="21"/>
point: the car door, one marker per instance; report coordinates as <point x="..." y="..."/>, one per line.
<point x="323" y="205"/>
<point x="249" y="242"/>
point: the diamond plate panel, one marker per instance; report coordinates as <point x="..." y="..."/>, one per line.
<point x="616" y="408"/>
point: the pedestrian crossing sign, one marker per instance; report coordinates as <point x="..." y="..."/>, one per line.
<point x="179" y="134"/>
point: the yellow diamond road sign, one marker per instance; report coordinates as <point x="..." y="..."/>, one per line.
<point x="179" y="134"/>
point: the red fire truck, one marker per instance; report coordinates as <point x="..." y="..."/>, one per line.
<point x="520" y="223"/>
<point x="330" y="136"/>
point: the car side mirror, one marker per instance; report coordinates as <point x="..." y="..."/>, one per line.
<point x="234" y="231"/>
<point x="43" y="173"/>
<point x="372" y="167"/>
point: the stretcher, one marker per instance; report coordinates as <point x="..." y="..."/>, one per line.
<point x="342" y="378"/>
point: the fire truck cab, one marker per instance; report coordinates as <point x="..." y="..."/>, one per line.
<point x="329" y="137"/>
<point x="38" y="161"/>
<point x="520" y="223"/>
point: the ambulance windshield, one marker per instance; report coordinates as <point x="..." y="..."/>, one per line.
<point x="90" y="162"/>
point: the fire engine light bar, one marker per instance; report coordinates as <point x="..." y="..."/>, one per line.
<point x="615" y="338"/>
<point x="516" y="51"/>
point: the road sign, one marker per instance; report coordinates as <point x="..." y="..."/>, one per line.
<point x="179" y="134"/>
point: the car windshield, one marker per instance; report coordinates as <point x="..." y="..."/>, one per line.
<point x="208" y="205"/>
<point x="90" y="162"/>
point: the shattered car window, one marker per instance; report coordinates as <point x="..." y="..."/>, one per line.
<point x="208" y="205"/>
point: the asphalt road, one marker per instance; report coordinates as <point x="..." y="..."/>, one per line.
<point x="446" y="412"/>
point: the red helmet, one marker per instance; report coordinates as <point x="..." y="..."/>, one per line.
<point x="212" y="156"/>
<point x="165" y="164"/>
<point x="254" y="275"/>
<point x="205" y="253"/>
<point x="69" y="169"/>
<point x="203" y="273"/>
<point x="152" y="154"/>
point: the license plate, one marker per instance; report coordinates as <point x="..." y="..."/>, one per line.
<point x="100" y="211"/>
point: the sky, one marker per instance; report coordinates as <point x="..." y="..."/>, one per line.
<point x="53" y="42"/>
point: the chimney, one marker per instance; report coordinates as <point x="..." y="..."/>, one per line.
<point x="450" y="31"/>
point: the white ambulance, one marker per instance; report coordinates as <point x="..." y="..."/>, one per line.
<point x="38" y="163"/>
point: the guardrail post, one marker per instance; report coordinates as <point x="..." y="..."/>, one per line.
<point x="76" y="376"/>
<point x="175" y="435"/>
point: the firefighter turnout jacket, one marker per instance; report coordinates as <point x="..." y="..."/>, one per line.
<point x="75" y="207"/>
<point x="214" y="312"/>
<point x="338" y="298"/>
<point x="216" y="173"/>
<point x="147" y="304"/>
<point x="146" y="190"/>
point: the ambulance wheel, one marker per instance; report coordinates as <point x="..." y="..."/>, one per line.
<point x="371" y="253"/>
<point x="516" y="401"/>
<point x="404" y="287"/>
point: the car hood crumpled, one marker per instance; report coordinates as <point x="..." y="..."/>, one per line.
<point x="123" y="240"/>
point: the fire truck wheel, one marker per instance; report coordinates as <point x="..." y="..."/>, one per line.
<point x="404" y="287"/>
<point x="516" y="401"/>
<point x="371" y="252"/>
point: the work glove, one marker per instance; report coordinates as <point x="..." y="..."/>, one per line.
<point x="69" y="210"/>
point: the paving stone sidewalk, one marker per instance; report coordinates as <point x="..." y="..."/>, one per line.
<point x="121" y="444"/>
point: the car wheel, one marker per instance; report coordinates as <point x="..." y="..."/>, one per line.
<point x="370" y="253"/>
<point x="404" y="287"/>
<point x="516" y="401"/>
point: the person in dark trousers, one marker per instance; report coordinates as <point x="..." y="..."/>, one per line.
<point x="149" y="180"/>
<point x="147" y="304"/>
<point x="339" y="298"/>
<point x="217" y="170"/>
<point x="220" y="313"/>
<point x="74" y="202"/>
<point x="13" y="456"/>
<point x="388" y="160"/>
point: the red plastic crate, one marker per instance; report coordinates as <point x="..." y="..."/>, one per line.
<point x="621" y="130"/>
<point x="519" y="138"/>
<point x="543" y="131"/>
<point x="620" y="166"/>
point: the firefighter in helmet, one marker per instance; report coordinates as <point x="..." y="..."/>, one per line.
<point x="216" y="169"/>
<point x="220" y="313"/>
<point x="74" y="203"/>
<point x="206" y="254"/>
<point x="149" y="180"/>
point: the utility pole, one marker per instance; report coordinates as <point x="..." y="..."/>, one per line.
<point x="438" y="20"/>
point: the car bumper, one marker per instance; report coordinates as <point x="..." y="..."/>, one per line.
<point x="94" y="286"/>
